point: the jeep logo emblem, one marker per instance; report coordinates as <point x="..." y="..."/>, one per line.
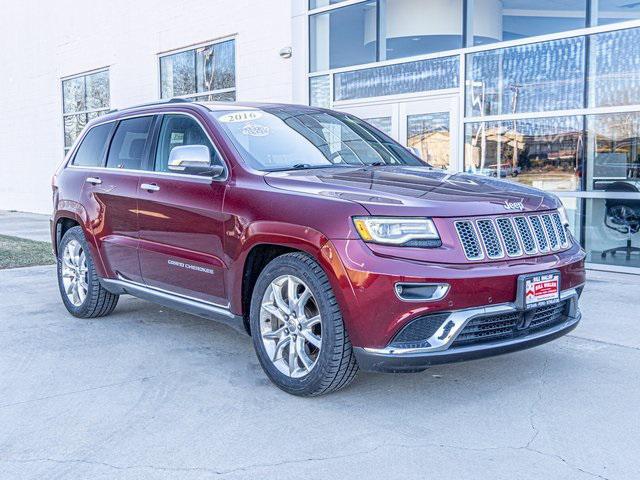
<point x="513" y="205"/>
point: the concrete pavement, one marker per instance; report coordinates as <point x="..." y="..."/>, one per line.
<point x="149" y="393"/>
<point x="32" y="226"/>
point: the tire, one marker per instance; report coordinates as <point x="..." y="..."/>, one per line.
<point x="97" y="301"/>
<point x="334" y="364"/>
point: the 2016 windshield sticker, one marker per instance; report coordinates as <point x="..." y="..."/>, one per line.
<point x="244" y="116"/>
<point x="255" y="130"/>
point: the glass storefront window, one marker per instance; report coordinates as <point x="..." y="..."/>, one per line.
<point x="319" y="91"/>
<point x="343" y="37"/>
<point x="503" y="20"/>
<point x="203" y="70"/>
<point x="612" y="231"/>
<point x="381" y="123"/>
<point x="429" y="134"/>
<point x="416" y="27"/>
<point x="614" y="78"/>
<point x="613" y="152"/>
<point x="544" y="153"/>
<point x="422" y="76"/>
<point x="529" y="78"/>
<point x="613" y="11"/>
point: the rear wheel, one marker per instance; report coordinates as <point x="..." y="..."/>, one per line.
<point x="80" y="288"/>
<point x="297" y="328"/>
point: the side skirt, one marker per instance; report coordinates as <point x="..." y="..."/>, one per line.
<point x="177" y="302"/>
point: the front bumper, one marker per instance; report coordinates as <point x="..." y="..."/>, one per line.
<point x="441" y="347"/>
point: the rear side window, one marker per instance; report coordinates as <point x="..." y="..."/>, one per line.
<point x="91" y="149"/>
<point x="129" y="143"/>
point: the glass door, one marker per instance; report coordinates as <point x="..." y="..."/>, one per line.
<point x="429" y="127"/>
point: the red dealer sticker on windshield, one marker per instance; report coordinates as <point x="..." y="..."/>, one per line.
<point x="542" y="288"/>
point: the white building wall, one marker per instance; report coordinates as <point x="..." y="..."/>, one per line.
<point x="43" y="42"/>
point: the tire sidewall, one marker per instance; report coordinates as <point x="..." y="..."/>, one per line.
<point x="75" y="233"/>
<point x="290" y="265"/>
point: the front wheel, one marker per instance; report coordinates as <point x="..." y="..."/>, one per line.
<point x="78" y="280"/>
<point x="297" y="328"/>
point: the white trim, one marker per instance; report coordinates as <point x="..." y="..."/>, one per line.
<point x="336" y="6"/>
<point x="402" y="97"/>
<point x="555" y="113"/>
<point x="194" y="46"/>
<point x="85" y="73"/>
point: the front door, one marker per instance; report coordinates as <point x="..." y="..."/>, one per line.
<point x="429" y="126"/>
<point x="181" y="220"/>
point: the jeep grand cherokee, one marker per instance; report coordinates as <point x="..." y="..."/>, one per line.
<point x="333" y="246"/>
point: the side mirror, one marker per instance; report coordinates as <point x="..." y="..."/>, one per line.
<point x="193" y="160"/>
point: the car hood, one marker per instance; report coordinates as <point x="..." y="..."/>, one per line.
<point x="419" y="191"/>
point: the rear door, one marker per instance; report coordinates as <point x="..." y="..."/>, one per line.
<point x="110" y="197"/>
<point x="181" y="222"/>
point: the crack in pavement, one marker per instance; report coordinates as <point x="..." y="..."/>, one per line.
<point x="254" y="466"/>
<point x="604" y="342"/>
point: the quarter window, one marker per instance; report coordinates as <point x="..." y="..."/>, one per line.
<point x="180" y="130"/>
<point x="129" y="143"/>
<point x="92" y="148"/>
<point x="205" y="73"/>
<point x="84" y="98"/>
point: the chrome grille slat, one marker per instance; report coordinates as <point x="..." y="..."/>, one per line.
<point x="562" y="234"/>
<point x="526" y="235"/>
<point x="490" y="240"/>
<point x="509" y="237"/>
<point x="538" y="231"/>
<point x="551" y="232"/>
<point x="469" y="240"/>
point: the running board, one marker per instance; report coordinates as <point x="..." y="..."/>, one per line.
<point x="177" y="302"/>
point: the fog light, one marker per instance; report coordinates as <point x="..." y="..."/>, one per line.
<point x="421" y="292"/>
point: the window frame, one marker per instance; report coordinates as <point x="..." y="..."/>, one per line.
<point x="208" y="43"/>
<point x="153" y="152"/>
<point x="86" y="111"/>
<point x="154" y="135"/>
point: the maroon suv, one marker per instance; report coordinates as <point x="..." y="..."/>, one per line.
<point x="331" y="244"/>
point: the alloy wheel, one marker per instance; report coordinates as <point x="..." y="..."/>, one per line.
<point x="290" y="326"/>
<point x="74" y="273"/>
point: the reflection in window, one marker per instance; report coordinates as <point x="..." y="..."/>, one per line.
<point x="416" y="27"/>
<point x="343" y="37"/>
<point x="612" y="231"/>
<point x="615" y="70"/>
<point x="319" y="91"/>
<point x="381" y="123"/>
<point x="429" y="134"/>
<point x="83" y="98"/>
<point x="503" y="20"/>
<point x="528" y="78"/>
<point x="613" y="150"/>
<point x="613" y="11"/>
<point x="425" y="75"/>
<point x="322" y="3"/>
<point x="204" y="70"/>
<point x="545" y="153"/>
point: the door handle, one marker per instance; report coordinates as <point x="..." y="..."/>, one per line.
<point x="93" y="180"/>
<point x="149" y="187"/>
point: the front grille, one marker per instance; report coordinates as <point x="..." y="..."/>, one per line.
<point x="515" y="235"/>
<point x="469" y="240"/>
<point x="505" y="326"/>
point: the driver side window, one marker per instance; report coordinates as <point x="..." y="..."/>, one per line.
<point x="177" y="131"/>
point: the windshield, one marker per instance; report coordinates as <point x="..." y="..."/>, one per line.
<point x="279" y="138"/>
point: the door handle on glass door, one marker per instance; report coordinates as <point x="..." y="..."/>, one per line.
<point x="149" y="187"/>
<point x="93" y="180"/>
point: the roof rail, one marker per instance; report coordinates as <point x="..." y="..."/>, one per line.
<point x="159" y="102"/>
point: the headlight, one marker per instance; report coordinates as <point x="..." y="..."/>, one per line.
<point x="419" y="232"/>
<point x="563" y="215"/>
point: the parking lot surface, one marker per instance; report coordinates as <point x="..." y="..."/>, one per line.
<point x="149" y="393"/>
